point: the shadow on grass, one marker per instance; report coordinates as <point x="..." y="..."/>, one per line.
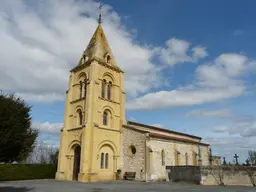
<point x="14" y="189"/>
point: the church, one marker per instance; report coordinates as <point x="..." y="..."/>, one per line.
<point x="97" y="141"/>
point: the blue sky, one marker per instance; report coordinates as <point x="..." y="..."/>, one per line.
<point x="189" y="65"/>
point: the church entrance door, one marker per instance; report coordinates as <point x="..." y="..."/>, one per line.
<point x="76" y="167"/>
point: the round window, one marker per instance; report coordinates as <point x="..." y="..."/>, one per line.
<point x="132" y="149"/>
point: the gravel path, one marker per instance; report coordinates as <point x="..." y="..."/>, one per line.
<point x="113" y="186"/>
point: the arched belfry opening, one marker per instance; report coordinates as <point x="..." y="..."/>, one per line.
<point x="108" y="59"/>
<point x="77" y="157"/>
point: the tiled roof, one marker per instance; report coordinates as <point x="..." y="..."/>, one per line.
<point x="161" y="129"/>
<point x="161" y="136"/>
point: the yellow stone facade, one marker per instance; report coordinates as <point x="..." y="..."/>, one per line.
<point x="96" y="139"/>
<point x="86" y="106"/>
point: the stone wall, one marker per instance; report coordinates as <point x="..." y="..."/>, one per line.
<point x="213" y="175"/>
<point x="134" y="162"/>
<point x="205" y="155"/>
<point x="190" y="174"/>
<point x="148" y="163"/>
<point x="228" y="175"/>
<point x="157" y="169"/>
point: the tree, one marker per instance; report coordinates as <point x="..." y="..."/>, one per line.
<point x="43" y="154"/>
<point x="252" y="157"/>
<point x="16" y="135"/>
<point x="54" y="157"/>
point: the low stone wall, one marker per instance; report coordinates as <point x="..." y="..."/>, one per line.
<point x="190" y="174"/>
<point x="213" y="175"/>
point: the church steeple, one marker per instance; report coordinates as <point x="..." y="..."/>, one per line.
<point x="98" y="48"/>
<point x="94" y="115"/>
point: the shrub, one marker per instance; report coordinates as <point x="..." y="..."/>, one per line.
<point x="11" y="172"/>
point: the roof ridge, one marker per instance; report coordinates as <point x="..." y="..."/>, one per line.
<point x="162" y="129"/>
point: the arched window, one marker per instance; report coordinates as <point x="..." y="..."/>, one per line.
<point x="106" y="161"/>
<point x="186" y="158"/>
<point x="163" y="157"/>
<point x="108" y="59"/>
<point x="102" y="161"/>
<point x="105" y="118"/>
<point x="85" y="87"/>
<point x="109" y="89"/>
<point x="81" y="89"/>
<point x="103" y="87"/>
<point x="84" y="59"/>
<point x="177" y="158"/>
<point x="80" y="117"/>
<point x="194" y="158"/>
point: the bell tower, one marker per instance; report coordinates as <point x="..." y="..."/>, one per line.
<point x="94" y="115"/>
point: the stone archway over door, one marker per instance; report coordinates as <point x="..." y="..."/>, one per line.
<point x="76" y="165"/>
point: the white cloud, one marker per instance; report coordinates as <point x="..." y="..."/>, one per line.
<point x="249" y="131"/>
<point x="221" y="113"/>
<point x="42" y="97"/>
<point x="242" y="125"/>
<point x="182" y="97"/>
<point x="199" y="52"/>
<point x="232" y="64"/>
<point x="47" y="127"/>
<point x="215" y="81"/>
<point x="177" y="51"/>
<point x="220" y="129"/>
<point x="42" y="41"/>
<point x="235" y="124"/>
<point x="243" y="128"/>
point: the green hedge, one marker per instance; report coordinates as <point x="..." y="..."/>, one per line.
<point x="11" y="172"/>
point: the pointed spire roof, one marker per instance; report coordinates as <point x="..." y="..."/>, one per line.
<point x="98" y="47"/>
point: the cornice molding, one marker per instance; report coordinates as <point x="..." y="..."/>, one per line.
<point x="100" y="61"/>
<point x="81" y="66"/>
<point x="76" y="128"/>
<point x="77" y="100"/>
<point x="104" y="99"/>
<point x="109" y="129"/>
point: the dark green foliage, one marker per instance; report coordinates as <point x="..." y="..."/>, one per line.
<point x="16" y="135"/>
<point x="11" y="172"/>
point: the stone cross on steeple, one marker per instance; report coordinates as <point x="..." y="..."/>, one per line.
<point x="100" y="7"/>
<point x="236" y="157"/>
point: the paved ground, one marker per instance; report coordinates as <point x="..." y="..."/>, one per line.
<point x="115" y="186"/>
